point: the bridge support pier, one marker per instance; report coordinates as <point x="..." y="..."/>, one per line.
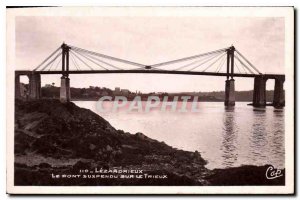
<point x="229" y="93"/>
<point x="278" y="100"/>
<point x="17" y="87"/>
<point x="34" y="86"/>
<point x="65" y="94"/>
<point x="259" y="93"/>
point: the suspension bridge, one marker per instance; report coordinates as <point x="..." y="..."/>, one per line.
<point x="227" y="62"/>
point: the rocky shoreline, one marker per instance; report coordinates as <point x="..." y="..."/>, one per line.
<point x="53" y="139"/>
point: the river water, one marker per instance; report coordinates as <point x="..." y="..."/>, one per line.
<point x="224" y="137"/>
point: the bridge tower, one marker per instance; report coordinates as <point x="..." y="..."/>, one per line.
<point x="279" y="100"/>
<point x="17" y="86"/>
<point x="65" y="94"/>
<point x="229" y="83"/>
<point x="259" y="92"/>
<point x="34" y="86"/>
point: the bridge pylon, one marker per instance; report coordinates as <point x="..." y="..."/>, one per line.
<point x="229" y="83"/>
<point x="65" y="92"/>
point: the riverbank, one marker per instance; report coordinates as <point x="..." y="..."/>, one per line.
<point x="54" y="139"/>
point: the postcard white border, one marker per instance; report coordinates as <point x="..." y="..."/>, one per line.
<point x="286" y="12"/>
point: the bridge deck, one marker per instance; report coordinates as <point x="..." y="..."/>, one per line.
<point x="24" y="72"/>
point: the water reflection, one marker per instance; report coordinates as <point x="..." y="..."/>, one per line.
<point x="258" y="138"/>
<point x="229" y="134"/>
<point x="228" y="137"/>
<point x="277" y="142"/>
<point x="257" y="109"/>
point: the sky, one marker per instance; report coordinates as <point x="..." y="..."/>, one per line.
<point x="151" y="40"/>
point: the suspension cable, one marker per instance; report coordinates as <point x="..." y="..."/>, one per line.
<point x="51" y="65"/>
<point x="214" y="62"/>
<point x="187" y="65"/>
<point x="248" y="62"/>
<point x="75" y="62"/>
<point x="237" y="67"/>
<point x="97" y="59"/>
<point x="73" y="52"/>
<point x="210" y="58"/>
<point x="47" y="59"/>
<point x="108" y="57"/>
<point x="58" y="63"/>
<point x="59" y="54"/>
<point x="187" y="58"/>
<point x="221" y="64"/>
<point x="243" y="64"/>
<point x="91" y="60"/>
<point x="242" y="67"/>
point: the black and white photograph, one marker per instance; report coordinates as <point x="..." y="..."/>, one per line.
<point x="158" y="97"/>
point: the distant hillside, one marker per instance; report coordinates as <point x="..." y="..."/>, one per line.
<point x="94" y="93"/>
<point x="239" y="95"/>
